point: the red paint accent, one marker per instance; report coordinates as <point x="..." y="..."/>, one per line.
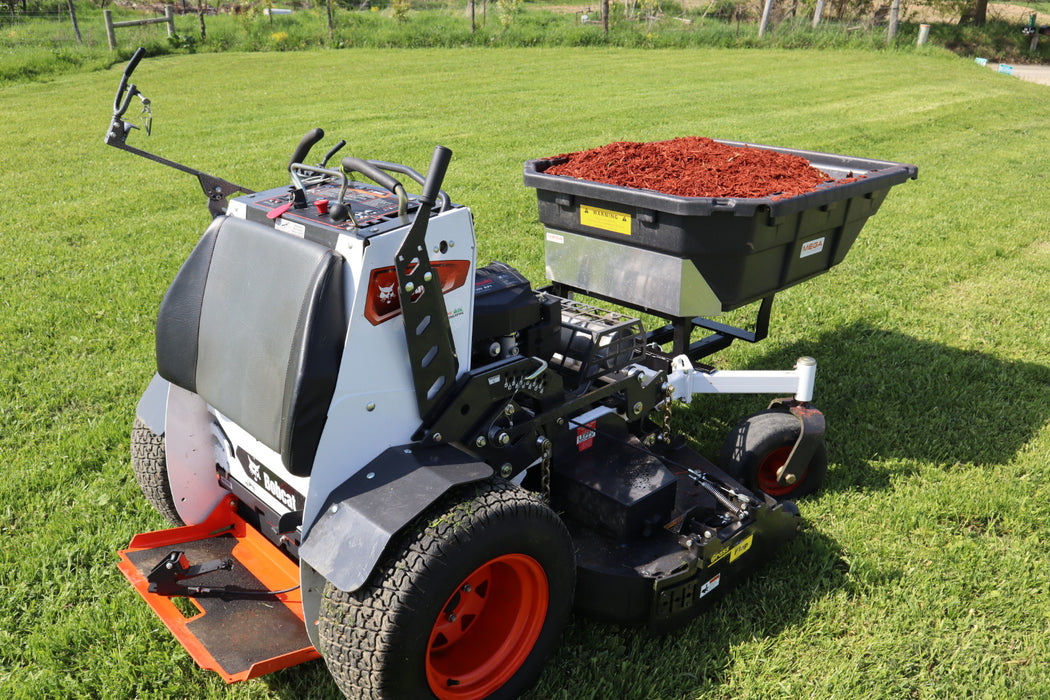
<point x="276" y="213"/>
<point x="384" y="303"/>
<point x="585" y="436"/>
<point x="767" y="473"/>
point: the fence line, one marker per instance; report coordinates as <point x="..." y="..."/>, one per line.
<point x="111" y="26"/>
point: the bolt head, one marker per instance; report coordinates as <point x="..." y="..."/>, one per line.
<point x="506" y="470"/>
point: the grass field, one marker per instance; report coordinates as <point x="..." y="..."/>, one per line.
<point x="922" y="571"/>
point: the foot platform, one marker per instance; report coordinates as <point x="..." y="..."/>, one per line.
<point x="246" y="619"/>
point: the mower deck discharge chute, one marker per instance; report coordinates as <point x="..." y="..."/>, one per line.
<point x="377" y="452"/>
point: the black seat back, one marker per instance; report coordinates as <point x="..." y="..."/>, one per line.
<point x="255" y="323"/>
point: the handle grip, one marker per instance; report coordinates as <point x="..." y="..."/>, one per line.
<point x="435" y="175"/>
<point x="118" y="108"/>
<point x="303" y="149"/>
<point x="335" y="149"/>
<point x="384" y="179"/>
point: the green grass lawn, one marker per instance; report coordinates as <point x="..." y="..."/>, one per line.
<point x="922" y="570"/>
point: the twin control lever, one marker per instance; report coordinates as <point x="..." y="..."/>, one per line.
<point x="375" y="170"/>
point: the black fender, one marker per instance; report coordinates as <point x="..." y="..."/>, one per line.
<point x="153" y="406"/>
<point x="364" y="512"/>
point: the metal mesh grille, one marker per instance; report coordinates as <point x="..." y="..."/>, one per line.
<point x="597" y="341"/>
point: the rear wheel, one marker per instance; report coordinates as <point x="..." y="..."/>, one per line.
<point x="467" y="603"/>
<point x="151" y="470"/>
<point x="756" y="450"/>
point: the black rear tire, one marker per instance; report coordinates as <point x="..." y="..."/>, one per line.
<point x="759" y="446"/>
<point x="151" y="470"/>
<point x="467" y="602"/>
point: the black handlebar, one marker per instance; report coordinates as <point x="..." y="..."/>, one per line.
<point x="435" y="175"/>
<point x="120" y="103"/>
<point x="384" y="179"/>
<point x="303" y="149"/>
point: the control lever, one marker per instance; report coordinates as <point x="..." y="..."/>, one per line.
<point x="335" y="149"/>
<point x="303" y="149"/>
<point x="167" y="576"/>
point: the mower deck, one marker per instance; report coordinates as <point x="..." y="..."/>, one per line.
<point x="241" y="631"/>
<point x="634" y="566"/>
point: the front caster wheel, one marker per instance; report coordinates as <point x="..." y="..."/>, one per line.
<point x="467" y="603"/>
<point x="759" y="446"/>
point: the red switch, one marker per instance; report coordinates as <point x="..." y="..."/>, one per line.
<point x="322" y="206"/>
<point x="274" y="213"/>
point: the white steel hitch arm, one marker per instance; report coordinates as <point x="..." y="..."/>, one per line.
<point x="687" y="381"/>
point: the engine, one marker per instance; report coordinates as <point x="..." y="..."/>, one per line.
<point x="582" y="341"/>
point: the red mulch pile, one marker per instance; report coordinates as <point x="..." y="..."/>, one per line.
<point x="693" y="166"/>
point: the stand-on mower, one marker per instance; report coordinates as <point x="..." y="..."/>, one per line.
<point x="378" y="453"/>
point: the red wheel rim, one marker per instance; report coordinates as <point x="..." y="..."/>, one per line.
<point x="487" y="628"/>
<point x="767" y="473"/>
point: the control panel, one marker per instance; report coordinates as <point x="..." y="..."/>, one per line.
<point x="373" y="210"/>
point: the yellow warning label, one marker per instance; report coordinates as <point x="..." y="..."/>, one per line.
<point x="614" y="221"/>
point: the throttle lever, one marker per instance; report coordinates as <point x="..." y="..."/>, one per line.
<point x="335" y="149"/>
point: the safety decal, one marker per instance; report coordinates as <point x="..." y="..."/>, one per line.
<point x="607" y="220"/>
<point x="290" y="227"/>
<point x="710" y="585"/>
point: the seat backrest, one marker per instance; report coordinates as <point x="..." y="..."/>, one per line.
<point x="255" y="323"/>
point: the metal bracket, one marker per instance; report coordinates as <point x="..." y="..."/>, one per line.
<point x="811" y="432"/>
<point x="165" y="577"/>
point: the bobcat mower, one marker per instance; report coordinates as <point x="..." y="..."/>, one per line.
<point x="377" y="452"/>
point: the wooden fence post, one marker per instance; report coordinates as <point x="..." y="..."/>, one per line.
<point x="764" y="22"/>
<point x="818" y="13"/>
<point x="111" y="36"/>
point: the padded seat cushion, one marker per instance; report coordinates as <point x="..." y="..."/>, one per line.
<point x="255" y="323"/>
